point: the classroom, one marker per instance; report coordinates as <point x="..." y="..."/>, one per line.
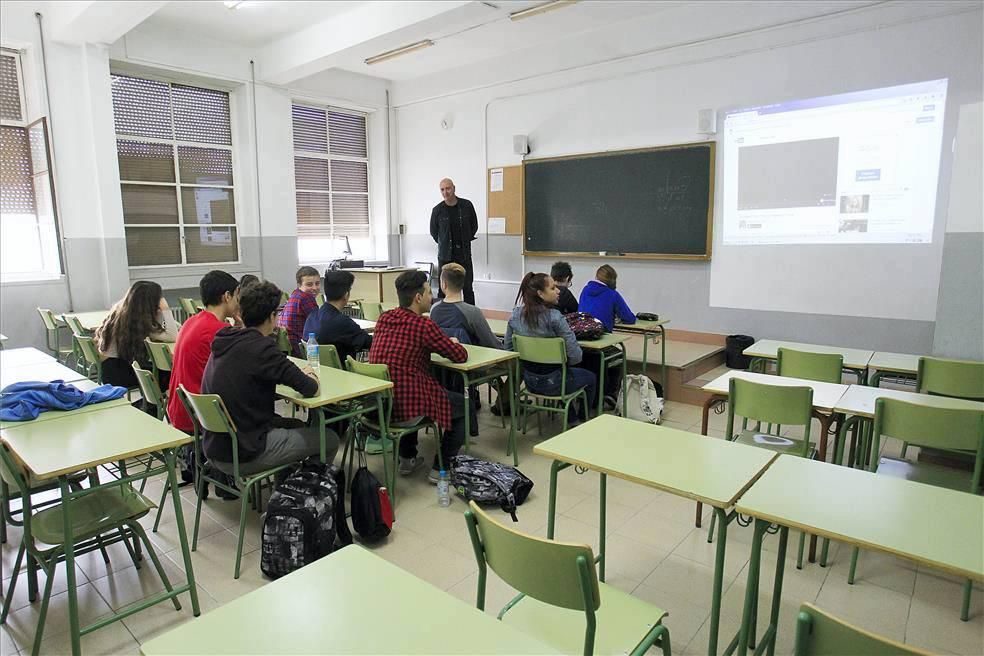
<point x="507" y="327"/>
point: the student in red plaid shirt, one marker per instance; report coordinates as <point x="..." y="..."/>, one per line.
<point x="300" y="304"/>
<point x="404" y="340"/>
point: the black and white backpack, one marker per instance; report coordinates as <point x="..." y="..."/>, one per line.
<point x="490" y="483"/>
<point x="305" y="518"/>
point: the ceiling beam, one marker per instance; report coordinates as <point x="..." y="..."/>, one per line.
<point x="321" y="46"/>
<point x="96" y="22"/>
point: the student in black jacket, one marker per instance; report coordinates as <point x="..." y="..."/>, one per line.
<point x="330" y="326"/>
<point x="244" y="369"/>
<point x="563" y="276"/>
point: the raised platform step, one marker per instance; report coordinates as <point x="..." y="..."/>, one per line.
<point x="679" y="354"/>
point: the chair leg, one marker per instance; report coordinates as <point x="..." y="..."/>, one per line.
<point x="12" y="584"/>
<point x="854" y="564"/>
<point x="198" y="507"/>
<point x="39" y="633"/>
<point x="160" y="506"/>
<point x="965" y="607"/>
<point x="905" y="447"/>
<point x="710" y="529"/>
<point x="136" y="528"/>
<point x="126" y="543"/>
<point x="799" y="555"/>
<point x="242" y="528"/>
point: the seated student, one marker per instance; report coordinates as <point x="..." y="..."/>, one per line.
<point x="142" y="313"/>
<point x="219" y="292"/>
<point x="600" y="300"/>
<point x="301" y="303"/>
<point x="330" y="326"/>
<point x="538" y="316"/>
<point x="563" y="276"/>
<point x="404" y="340"/>
<point x="244" y="369"/>
<point x="453" y="315"/>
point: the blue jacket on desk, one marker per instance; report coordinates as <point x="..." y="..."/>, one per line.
<point x="26" y="400"/>
<point x="604" y="304"/>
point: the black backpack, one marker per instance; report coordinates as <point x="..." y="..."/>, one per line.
<point x="367" y="513"/>
<point x="490" y="483"/>
<point x="305" y="518"/>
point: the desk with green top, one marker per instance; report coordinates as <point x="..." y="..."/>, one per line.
<point x="365" y="324"/>
<point x="481" y="367"/>
<point x="712" y="471"/>
<point x="649" y="329"/>
<point x="53" y="450"/>
<point x="89" y="320"/>
<point x="349" y="602"/>
<point x="901" y="365"/>
<point x="862" y="509"/>
<point x="39" y="371"/>
<point x="855" y="360"/>
<point x="336" y="386"/>
<point x="20" y="357"/>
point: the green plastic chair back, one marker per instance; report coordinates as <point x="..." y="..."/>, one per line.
<point x="958" y="378"/>
<point x="210" y="412"/>
<point x="319" y="299"/>
<point x="160" y="354"/>
<point x="48" y="319"/>
<point x="774" y="404"/>
<point x="76" y="326"/>
<point x="821" y="634"/>
<point x="547" y="570"/>
<point x="541" y="350"/>
<point x="949" y="429"/>
<point x="329" y="356"/>
<point x="821" y="367"/>
<point x="188" y="306"/>
<point x="378" y="371"/>
<point x="283" y="340"/>
<point x="371" y="310"/>
<point x="149" y="388"/>
<point x="284" y="297"/>
<point x="90" y="354"/>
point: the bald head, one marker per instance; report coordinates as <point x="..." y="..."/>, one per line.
<point x="447" y="191"/>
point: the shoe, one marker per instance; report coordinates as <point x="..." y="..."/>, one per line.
<point x="224" y="494"/>
<point x="374" y="446"/>
<point x="434" y="476"/>
<point x="409" y="465"/>
<point x="610" y="403"/>
<point x="495" y="410"/>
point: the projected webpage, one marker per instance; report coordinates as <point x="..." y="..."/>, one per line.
<point x="852" y="168"/>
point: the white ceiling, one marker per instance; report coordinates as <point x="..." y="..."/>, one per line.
<point x="252" y="24"/>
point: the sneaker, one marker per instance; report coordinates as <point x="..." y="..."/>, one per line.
<point x="610" y="403"/>
<point x="374" y="446"/>
<point x="434" y="476"/>
<point x="408" y="465"/>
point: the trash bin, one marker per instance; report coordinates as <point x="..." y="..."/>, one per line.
<point x="733" y="346"/>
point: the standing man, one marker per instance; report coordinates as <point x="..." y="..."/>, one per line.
<point x="453" y="226"/>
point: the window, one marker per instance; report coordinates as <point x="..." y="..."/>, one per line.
<point x="28" y="232"/>
<point x="331" y="176"/>
<point x="174" y="145"/>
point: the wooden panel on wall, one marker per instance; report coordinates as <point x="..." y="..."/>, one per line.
<point x="508" y="203"/>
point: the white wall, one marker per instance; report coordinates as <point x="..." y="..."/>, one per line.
<point x="653" y="100"/>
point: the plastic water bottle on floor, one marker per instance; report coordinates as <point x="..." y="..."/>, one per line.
<point x="313" y="356"/>
<point x="443" y="490"/>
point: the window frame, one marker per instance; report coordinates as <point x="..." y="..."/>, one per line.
<point x="178" y="185"/>
<point x="27" y="125"/>
<point x="327" y="157"/>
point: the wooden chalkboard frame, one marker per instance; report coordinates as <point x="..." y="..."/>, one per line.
<point x="711" y="145"/>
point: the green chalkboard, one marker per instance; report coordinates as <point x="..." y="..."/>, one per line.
<point x="653" y="202"/>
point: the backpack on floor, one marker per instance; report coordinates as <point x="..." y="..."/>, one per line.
<point x="584" y="325"/>
<point x="490" y="483"/>
<point x="644" y="401"/>
<point x="368" y="512"/>
<point x="305" y="518"/>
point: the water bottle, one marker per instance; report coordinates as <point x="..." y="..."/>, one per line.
<point x="443" y="493"/>
<point x="313" y="357"/>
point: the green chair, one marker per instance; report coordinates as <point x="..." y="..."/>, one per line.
<point x="821" y="634"/>
<point x="385" y="427"/>
<point x="962" y="379"/>
<point x="370" y="310"/>
<point x="151" y="392"/>
<point x="161" y="356"/>
<point x="946" y="429"/>
<point x="112" y="511"/>
<point x="90" y="358"/>
<point x="78" y="330"/>
<point x="549" y="351"/>
<point x="773" y="404"/>
<point x="52" y="336"/>
<point x="283" y="340"/>
<point x="284" y="297"/>
<point x="561" y="602"/>
<point x="319" y="299"/>
<point x="211" y="415"/>
<point x="188" y="307"/>
<point x="821" y="367"/>
<point x="329" y="356"/>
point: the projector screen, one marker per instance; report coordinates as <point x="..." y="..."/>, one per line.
<point x="854" y="168"/>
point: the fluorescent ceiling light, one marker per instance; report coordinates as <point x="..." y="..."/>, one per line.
<point x="540" y="9"/>
<point x="234" y="4"/>
<point x="390" y="54"/>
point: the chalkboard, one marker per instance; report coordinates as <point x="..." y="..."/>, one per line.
<point x="653" y="202"/>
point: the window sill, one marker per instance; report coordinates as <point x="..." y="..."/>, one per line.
<point x="35" y="279"/>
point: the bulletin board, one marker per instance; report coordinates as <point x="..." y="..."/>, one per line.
<point x="508" y="202"/>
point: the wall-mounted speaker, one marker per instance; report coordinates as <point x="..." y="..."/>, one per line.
<point x="707" y="121"/>
<point x="521" y="144"/>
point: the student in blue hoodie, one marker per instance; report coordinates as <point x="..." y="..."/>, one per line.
<point x="600" y="300"/>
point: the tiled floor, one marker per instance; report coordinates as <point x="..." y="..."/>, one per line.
<point x="654" y="552"/>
